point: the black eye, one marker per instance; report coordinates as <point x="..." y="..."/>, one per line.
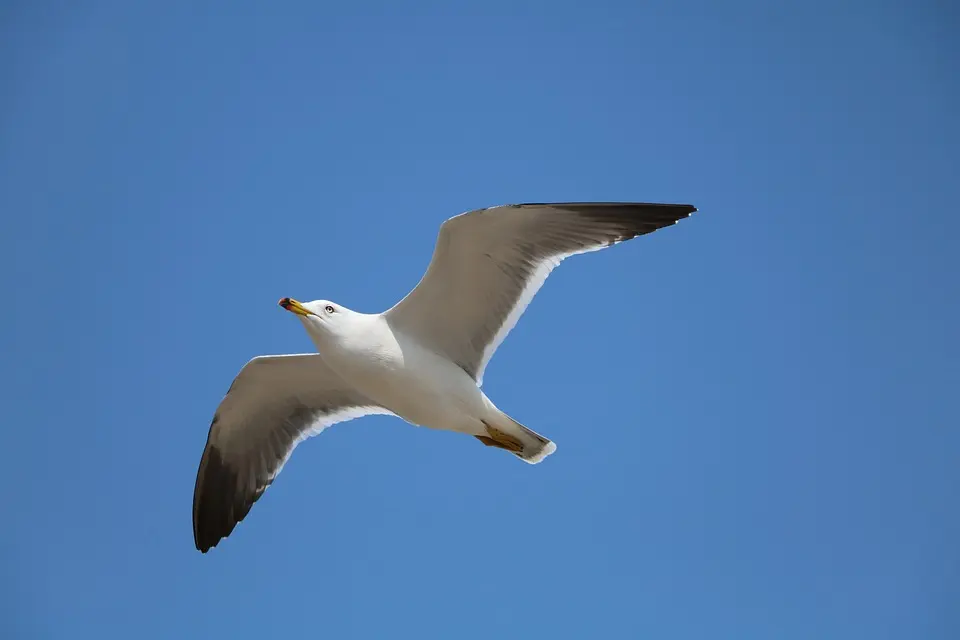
<point x="329" y="309"/>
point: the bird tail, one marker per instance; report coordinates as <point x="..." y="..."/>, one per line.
<point x="528" y="445"/>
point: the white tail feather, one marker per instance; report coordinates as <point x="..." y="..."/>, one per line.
<point x="535" y="446"/>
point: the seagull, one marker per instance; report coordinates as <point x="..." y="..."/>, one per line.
<point x="421" y="360"/>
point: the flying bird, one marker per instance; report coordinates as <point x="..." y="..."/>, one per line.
<point x="421" y="360"/>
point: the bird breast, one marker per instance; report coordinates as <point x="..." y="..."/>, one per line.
<point x="411" y="381"/>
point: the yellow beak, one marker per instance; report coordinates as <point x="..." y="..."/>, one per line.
<point x="293" y="306"/>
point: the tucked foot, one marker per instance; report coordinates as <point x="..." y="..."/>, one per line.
<point x="490" y="442"/>
<point x="501" y="440"/>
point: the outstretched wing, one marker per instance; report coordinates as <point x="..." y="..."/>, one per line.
<point x="274" y="403"/>
<point x="488" y="264"/>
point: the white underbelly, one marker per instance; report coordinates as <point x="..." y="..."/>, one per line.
<point x="422" y="388"/>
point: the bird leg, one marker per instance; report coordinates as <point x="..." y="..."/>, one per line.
<point x="501" y="440"/>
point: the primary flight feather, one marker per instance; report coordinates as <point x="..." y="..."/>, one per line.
<point x="422" y="360"/>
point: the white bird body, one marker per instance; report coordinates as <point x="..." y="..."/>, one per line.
<point x="398" y="373"/>
<point x="422" y="360"/>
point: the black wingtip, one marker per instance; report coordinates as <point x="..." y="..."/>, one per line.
<point x="678" y="211"/>
<point x="635" y="218"/>
<point x="217" y="505"/>
<point x="681" y="208"/>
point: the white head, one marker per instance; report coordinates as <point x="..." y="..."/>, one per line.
<point x="321" y="318"/>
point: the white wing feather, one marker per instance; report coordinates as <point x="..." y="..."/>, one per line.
<point x="488" y="265"/>
<point x="274" y="403"/>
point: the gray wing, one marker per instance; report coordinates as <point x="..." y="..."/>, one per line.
<point x="488" y="264"/>
<point x="274" y="403"/>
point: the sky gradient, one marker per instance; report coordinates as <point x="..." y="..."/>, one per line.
<point x="755" y="410"/>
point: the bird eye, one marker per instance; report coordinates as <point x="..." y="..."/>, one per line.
<point x="328" y="309"/>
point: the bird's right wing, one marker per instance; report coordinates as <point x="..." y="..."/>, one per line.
<point x="274" y="403"/>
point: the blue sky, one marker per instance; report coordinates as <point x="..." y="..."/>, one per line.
<point x="754" y="410"/>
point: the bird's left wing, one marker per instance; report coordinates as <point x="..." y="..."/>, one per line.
<point x="274" y="403"/>
<point x="488" y="264"/>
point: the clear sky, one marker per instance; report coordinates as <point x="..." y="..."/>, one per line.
<point x="755" y="410"/>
